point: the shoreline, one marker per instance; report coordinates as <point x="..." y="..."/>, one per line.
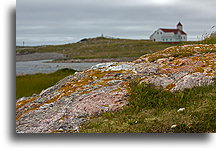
<point x="60" y="58"/>
<point x="97" y="60"/>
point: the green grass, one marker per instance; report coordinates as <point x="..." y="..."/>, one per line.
<point x="210" y="39"/>
<point x="152" y="110"/>
<point x="27" y="85"/>
<point x="101" y="47"/>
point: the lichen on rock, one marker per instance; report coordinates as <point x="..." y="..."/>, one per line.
<point x="105" y="87"/>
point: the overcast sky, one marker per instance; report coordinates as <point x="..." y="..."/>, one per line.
<point x="41" y="22"/>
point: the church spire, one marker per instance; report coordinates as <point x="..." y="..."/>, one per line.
<point x="179" y="26"/>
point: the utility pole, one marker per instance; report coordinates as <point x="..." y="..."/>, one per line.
<point x="23" y="43"/>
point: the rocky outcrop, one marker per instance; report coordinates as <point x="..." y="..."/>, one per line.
<point x="105" y="87"/>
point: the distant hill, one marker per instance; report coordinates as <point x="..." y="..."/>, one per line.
<point x="101" y="47"/>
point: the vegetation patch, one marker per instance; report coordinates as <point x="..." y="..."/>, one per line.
<point x="26" y="85"/>
<point x="210" y="39"/>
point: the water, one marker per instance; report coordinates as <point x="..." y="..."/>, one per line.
<point x="32" y="67"/>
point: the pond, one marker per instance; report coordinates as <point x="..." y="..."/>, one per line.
<point x="41" y="66"/>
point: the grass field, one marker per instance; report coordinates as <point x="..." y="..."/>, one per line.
<point x="153" y="110"/>
<point x="27" y="85"/>
<point x="102" y="47"/>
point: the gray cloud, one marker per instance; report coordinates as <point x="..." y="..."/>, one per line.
<point x="56" y="22"/>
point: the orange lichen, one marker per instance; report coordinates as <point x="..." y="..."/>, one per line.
<point x="199" y="69"/>
<point x="170" y="86"/>
<point x="57" y="131"/>
<point x="96" y="73"/>
<point x="117" y="89"/>
<point x="25" y="112"/>
<point x="23" y="102"/>
<point x="85" y="92"/>
<point x="39" y="105"/>
<point x="210" y="74"/>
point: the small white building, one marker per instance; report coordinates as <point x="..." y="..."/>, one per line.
<point x="169" y="35"/>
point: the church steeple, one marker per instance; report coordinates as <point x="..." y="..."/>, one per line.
<point x="179" y="26"/>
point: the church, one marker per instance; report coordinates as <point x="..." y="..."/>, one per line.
<point x="169" y="35"/>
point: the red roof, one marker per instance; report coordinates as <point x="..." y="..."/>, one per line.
<point x="175" y="31"/>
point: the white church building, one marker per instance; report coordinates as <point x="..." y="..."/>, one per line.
<point x="169" y="35"/>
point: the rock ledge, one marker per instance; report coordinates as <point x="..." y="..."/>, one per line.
<point x="105" y="87"/>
